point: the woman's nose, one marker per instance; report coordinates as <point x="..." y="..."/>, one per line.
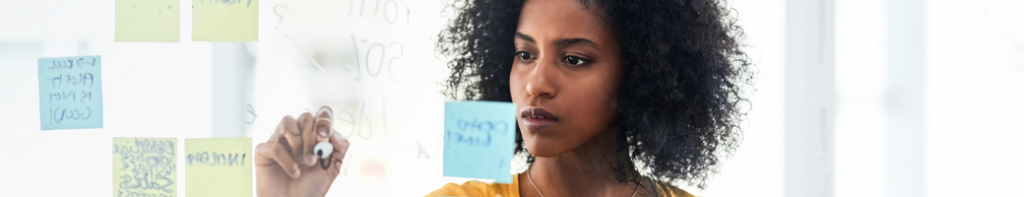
<point x="541" y="80"/>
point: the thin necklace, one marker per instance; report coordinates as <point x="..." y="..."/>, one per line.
<point x="530" y="175"/>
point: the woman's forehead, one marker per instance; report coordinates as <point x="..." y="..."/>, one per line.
<point x="552" y="20"/>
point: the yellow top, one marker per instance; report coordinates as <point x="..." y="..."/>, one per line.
<point x="481" y="189"/>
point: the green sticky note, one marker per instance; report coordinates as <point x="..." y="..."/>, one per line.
<point x="70" y="93"/>
<point x="146" y="20"/>
<point x="220" y="167"/>
<point x="224" y="20"/>
<point x="479" y="138"/>
<point x="145" y="167"/>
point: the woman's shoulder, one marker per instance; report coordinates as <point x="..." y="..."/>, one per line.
<point x="477" y="188"/>
<point x="482" y="189"/>
<point x="668" y="190"/>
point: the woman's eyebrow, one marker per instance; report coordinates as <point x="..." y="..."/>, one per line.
<point x="525" y="37"/>
<point x="563" y="43"/>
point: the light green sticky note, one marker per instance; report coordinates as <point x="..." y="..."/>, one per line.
<point x="219" y="167"/>
<point x="145" y="167"/>
<point x="225" y="20"/>
<point x="146" y="20"/>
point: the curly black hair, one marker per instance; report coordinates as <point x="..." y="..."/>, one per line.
<point x="684" y="77"/>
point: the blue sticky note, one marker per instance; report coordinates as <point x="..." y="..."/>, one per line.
<point x="70" y="93"/>
<point x="479" y="138"/>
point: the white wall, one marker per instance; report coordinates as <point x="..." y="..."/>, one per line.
<point x="973" y="76"/>
<point x="975" y="85"/>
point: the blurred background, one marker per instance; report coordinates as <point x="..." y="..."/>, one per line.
<point x="853" y="98"/>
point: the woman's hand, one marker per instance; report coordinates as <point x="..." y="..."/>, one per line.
<point x="286" y="165"/>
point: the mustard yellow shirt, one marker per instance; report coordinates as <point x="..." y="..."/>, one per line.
<point x="481" y="189"/>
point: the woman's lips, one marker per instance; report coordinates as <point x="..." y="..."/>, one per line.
<point x="537" y="119"/>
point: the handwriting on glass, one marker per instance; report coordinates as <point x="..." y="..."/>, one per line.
<point x="146" y="167"/>
<point x="391" y="10"/>
<point x="70" y="93"/>
<point x="475" y="132"/>
<point x="374" y="60"/>
<point x="215" y="159"/>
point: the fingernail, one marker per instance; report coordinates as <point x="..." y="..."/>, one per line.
<point x="323" y="132"/>
<point x="310" y="160"/>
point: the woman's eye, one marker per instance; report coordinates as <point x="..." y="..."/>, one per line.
<point x="575" y="61"/>
<point x="524" y="55"/>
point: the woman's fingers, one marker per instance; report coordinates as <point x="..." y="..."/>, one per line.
<point x="293" y="142"/>
<point x="289" y="128"/>
<point x="282" y="157"/>
<point x="263" y="150"/>
<point x="273" y="152"/>
<point x="340" y="146"/>
<point x="264" y="155"/>
<point x="306" y="122"/>
<point x="324" y="120"/>
<point x="338" y="155"/>
<point x="278" y="148"/>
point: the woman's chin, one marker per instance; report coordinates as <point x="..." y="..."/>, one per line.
<point x="538" y="150"/>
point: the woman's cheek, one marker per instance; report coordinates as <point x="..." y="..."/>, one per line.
<point x="598" y="104"/>
<point x="513" y="84"/>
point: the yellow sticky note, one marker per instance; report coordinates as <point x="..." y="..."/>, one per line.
<point x="145" y="167"/>
<point x="146" y="20"/>
<point x="224" y="20"/>
<point x="219" y="167"/>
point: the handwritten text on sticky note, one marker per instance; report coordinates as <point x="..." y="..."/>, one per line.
<point x="145" y="167"/>
<point x="218" y="167"/>
<point x="70" y="93"/>
<point x="146" y="20"/>
<point x="479" y="138"/>
<point x="225" y="20"/>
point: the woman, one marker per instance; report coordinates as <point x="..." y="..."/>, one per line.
<point x="616" y="98"/>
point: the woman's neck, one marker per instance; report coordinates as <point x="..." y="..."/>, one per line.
<point x="585" y="171"/>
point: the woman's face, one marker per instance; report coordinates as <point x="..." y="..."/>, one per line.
<point x="565" y="77"/>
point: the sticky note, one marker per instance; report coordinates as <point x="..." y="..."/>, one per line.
<point x="219" y="167"/>
<point x="146" y="20"/>
<point x="70" y="93"/>
<point x="145" y="167"/>
<point x="224" y="20"/>
<point x="479" y="138"/>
